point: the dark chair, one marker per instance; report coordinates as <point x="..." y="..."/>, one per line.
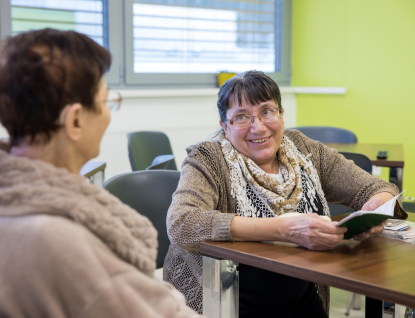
<point x="337" y="209"/>
<point x="150" y="193"/>
<point x="359" y="159"/>
<point x="408" y="204"/>
<point x="145" y="146"/>
<point x="335" y="135"/>
<point x="328" y="134"/>
<point x="363" y="162"/>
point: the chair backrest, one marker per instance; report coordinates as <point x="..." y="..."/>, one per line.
<point x="150" y="193"/>
<point x="408" y="204"/>
<point x="328" y="134"/>
<point x="145" y="146"/>
<point x="359" y="159"/>
<point x="161" y="162"/>
<point x="363" y="162"/>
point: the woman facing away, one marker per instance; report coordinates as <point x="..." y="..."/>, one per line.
<point x="239" y="184"/>
<point x="68" y="248"/>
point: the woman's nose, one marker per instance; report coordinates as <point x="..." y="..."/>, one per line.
<point x="258" y="126"/>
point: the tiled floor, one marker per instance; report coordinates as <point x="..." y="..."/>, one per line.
<point x="338" y="304"/>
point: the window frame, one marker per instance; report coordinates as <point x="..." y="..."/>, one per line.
<point x="189" y="80"/>
<point x="115" y="76"/>
<point x="119" y="19"/>
<point x="5" y="20"/>
<point x="283" y="77"/>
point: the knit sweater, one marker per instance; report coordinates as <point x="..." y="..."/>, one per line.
<point x="203" y="207"/>
<point x="71" y="249"/>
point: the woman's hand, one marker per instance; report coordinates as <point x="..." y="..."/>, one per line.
<point x="308" y="230"/>
<point x="312" y="231"/>
<point x="369" y="233"/>
<point x="372" y="205"/>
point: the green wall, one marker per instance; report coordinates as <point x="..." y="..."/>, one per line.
<point x="25" y="19"/>
<point x="368" y="47"/>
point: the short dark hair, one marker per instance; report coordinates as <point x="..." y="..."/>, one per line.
<point x="253" y="86"/>
<point x="41" y="72"/>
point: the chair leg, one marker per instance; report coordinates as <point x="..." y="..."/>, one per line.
<point x="354" y="300"/>
<point x="349" y="305"/>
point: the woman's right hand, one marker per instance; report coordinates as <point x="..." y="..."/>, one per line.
<point x="308" y="230"/>
<point x="311" y="231"/>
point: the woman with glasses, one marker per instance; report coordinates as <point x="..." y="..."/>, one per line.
<point x="68" y="248"/>
<point x="238" y="186"/>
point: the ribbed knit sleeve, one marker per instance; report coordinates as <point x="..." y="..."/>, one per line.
<point x="202" y="208"/>
<point x="342" y="181"/>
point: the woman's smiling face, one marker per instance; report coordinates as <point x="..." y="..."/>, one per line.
<point x="260" y="141"/>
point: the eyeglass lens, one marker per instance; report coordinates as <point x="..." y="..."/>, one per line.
<point x="114" y="100"/>
<point x="265" y="116"/>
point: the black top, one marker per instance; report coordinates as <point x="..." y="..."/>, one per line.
<point x="268" y="294"/>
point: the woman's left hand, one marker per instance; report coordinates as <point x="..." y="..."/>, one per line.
<point x="371" y="205"/>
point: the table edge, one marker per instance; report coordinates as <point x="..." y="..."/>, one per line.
<point x="215" y="251"/>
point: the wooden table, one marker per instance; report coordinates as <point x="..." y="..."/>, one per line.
<point x="394" y="161"/>
<point x="380" y="268"/>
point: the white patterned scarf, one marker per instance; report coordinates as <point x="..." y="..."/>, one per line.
<point x="278" y="198"/>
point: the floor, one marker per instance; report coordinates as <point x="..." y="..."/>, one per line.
<point x="338" y="304"/>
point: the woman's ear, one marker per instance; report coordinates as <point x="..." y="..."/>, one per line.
<point x="71" y="121"/>
<point x="224" y="126"/>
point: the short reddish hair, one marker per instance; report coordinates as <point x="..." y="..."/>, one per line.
<point x="41" y="72"/>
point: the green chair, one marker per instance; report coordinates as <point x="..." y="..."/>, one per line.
<point x="145" y="146"/>
<point x="150" y="193"/>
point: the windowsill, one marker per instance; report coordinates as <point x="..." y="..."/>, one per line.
<point x="148" y="93"/>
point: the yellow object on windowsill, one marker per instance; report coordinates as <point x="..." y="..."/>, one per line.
<point x="223" y="77"/>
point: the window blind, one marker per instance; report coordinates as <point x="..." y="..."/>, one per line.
<point x="84" y="16"/>
<point x="206" y="36"/>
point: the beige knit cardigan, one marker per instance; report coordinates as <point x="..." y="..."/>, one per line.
<point x="203" y="207"/>
<point x="71" y="249"/>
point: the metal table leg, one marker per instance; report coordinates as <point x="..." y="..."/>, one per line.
<point x="220" y="288"/>
<point x="395" y="177"/>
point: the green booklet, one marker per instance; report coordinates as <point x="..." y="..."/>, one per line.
<point x="360" y="221"/>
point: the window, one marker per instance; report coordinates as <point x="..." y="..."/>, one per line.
<point x="169" y="43"/>
<point x="85" y="16"/>
<point x="189" y="42"/>
<point x="176" y="39"/>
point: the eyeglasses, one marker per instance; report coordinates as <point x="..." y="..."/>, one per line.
<point x="113" y="101"/>
<point x="244" y="121"/>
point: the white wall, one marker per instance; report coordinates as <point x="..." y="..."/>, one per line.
<point x="186" y="116"/>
